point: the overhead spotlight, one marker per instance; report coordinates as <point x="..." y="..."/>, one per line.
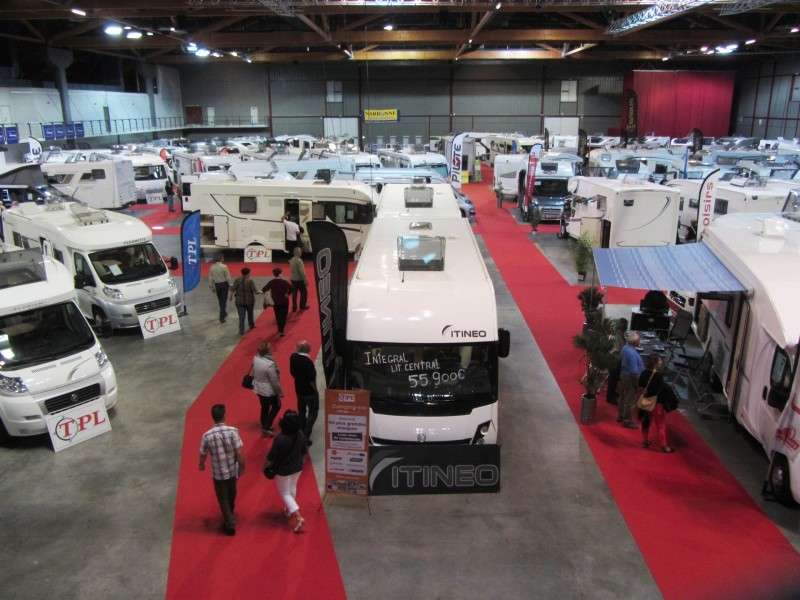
<point x="703" y="48"/>
<point x="216" y="55"/>
<point x="388" y="27"/>
<point x="133" y="35"/>
<point x="498" y="6"/>
<point x="150" y="34"/>
<point x="469" y="41"/>
<point x="233" y="53"/>
<point x="172" y="29"/>
<point x="249" y="60"/>
<point x="664" y="58"/>
<point x="78" y="11"/>
<point x="192" y="47"/>
<point x="202" y="52"/>
<point x="127" y="28"/>
<point x="113" y="30"/>
<point x="308" y="48"/>
<point x="794" y="30"/>
<point x="748" y="42"/>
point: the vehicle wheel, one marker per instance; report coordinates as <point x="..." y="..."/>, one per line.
<point x="779" y="479"/>
<point x="4" y="437"/>
<point x="100" y="322"/>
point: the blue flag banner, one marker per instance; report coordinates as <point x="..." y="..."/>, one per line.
<point x="70" y="130"/>
<point x="12" y="135"/>
<point x="79" y="132"/>
<point x="48" y="132"/>
<point x="190" y="251"/>
<point x="2" y="135"/>
<point x="60" y="131"/>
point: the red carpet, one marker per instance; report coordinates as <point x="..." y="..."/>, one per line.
<point x="700" y="533"/>
<point x="265" y="559"/>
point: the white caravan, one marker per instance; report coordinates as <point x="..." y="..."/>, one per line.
<point x="189" y="162"/>
<point x="614" y="213"/>
<point x="50" y="359"/>
<point x="429" y="362"/>
<point x="118" y="273"/>
<point x="603" y="141"/>
<point x="149" y="174"/>
<point x="753" y="338"/>
<point x="92" y="178"/>
<point x="419" y="201"/>
<point x="413" y="160"/>
<point x="237" y="214"/>
<point x="513" y="143"/>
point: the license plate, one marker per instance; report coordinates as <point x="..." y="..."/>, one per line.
<point x="154" y="199"/>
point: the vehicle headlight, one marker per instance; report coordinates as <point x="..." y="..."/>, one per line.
<point x="172" y="283"/>
<point x="112" y="292"/>
<point x="12" y="385"/>
<point x="101" y="358"/>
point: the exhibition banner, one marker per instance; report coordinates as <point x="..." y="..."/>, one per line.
<point x="630" y="110"/>
<point x="456" y="160"/>
<point x="707" y="199"/>
<point x="79" y="131"/>
<point x="159" y="322"/>
<point x="346" y="441"/>
<point x="380" y="114"/>
<point x="530" y="175"/>
<point x="330" y="274"/>
<point x="60" y="130"/>
<point x="12" y="135"/>
<point x="256" y="253"/>
<point x="70" y="130"/>
<point x="434" y="469"/>
<point x="2" y="135"/>
<point x="77" y="424"/>
<point x="48" y="132"/>
<point x="190" y="251"/>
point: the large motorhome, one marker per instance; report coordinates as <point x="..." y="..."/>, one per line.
<point x="553" y="170"/>
<point x="752" y="338"/>
<point x="93" y="178"/>
<point x="201" y="159"/>
<point x="118" y="273"/>
<point x="513" y="143"/>
<point x="430" y="364"/>
<point x="413" y="160"/>
<point x="149" y="175"/>
<point x="237" y="214"/>
<point x="615" y="213"/>
<point x="50" y="359"/>
<point x="418" y="200"/>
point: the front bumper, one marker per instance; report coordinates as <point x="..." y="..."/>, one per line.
<point x="450" y="429"/>
<point x="126" y="315"/>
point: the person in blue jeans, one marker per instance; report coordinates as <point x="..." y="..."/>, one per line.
<point x="244" y="294"/>
<point x="631" y="366"/>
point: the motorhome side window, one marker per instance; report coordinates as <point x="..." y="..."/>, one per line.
<point x="248" y="205"/>
<point x="318" y="211"/>
<point x="780" y="379"/>
<point x="721" y="207"/>
<point x="59" y="178"/>
<point x="82" y="268"/>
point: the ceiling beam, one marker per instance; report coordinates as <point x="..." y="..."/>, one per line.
<point x="772" y="22"/>
<point x="728" y="22"/>
<point x="359" y="23"/>
<point x="487" y="16"/>
<point x="177" y="42"/>
<point x="32" y="29"/>
<point x="308" y="22"/>
<point x="78" y="30"/>
<point x="582" y="20"/>
<point x="580" y="48"/>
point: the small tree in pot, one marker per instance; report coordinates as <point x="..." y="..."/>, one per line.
<point x="591" y="298"/>
<point x="597" y="343"/>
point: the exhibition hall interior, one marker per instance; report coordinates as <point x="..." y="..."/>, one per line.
<point x="400" y="299"/>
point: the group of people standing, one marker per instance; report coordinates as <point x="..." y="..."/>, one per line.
<point x="284" y="461"/>
<point x="277" y="292"/>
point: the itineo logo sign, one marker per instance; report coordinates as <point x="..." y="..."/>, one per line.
<point x="256" y="253"/>
<point x="77" y="424"/>
<point x="159" y="322"/>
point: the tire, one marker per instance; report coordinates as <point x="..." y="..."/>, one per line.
<point x="4" y="437"/>
<point x="779" y="479"/>
<point x="100" y="322"/>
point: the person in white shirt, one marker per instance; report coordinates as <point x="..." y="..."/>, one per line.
<point x="292" y="230"/>
<point x="267" y="385"/>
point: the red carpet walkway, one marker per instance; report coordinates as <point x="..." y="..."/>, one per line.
<point x="700" y="533"/>
<point x="265" y="559"/>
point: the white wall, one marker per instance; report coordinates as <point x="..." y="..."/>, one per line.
<point x="169" y="102"/>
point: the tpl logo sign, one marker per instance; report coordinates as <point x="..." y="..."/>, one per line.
<point x="68" y="428"/>
<point x="159" y="322"/>
<point x="256" y="253"/>
<point x="154" y="324"/>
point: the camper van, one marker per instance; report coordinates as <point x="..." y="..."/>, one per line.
<point x="413" y="160"/>
<point x="618" y="213"/>
<point x="418" y="200"/>
<point x="553" y="170"/>
<point x="93" y="178"/>
<point x="118" y="273"/>
<point x="149" y="173"/>
<point x="201" y="159"/>
<point x="237" y="214"/>
<point x="50" y="359"/>
<point x="752" y="339"/>
<point x="430" y="364"/>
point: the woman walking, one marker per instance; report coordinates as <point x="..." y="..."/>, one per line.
<point x="279" y="289"/>
<point x="652" y="381"/>
<point x="267" y="385"/>
<point x="285" y="461"/>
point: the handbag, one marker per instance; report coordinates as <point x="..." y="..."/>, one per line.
<point x="247" y="380"/>
<point x="647" y="403"/>
<point x="268" y="300"/>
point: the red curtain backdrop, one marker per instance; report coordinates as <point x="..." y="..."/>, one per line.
<point x="674" y="102"/>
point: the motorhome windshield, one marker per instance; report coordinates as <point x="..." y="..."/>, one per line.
<point x="784" y="174"/>
<point x="42" y="334"/>
<point x="439" y="169"/>
<point x="630" y="165"/>
<point x="149" y="173"/>
<point x="127" y="263"/>
<point x="427" y="376"/>
<point x="549" y="188"/>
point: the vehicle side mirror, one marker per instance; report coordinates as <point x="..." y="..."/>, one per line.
<point x="172" y="263"/>
<point x="80" y="281"/>
<point x="503" y="342"/>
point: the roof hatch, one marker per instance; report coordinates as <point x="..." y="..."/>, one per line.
<point x="420" y="253"/>
<point x="21" y="267"/>
<point x="418" y="196"/>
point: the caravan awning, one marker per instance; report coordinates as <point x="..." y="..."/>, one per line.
<point x="686" y="267"/>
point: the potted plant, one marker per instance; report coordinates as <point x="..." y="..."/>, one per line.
<point x="597" y="343"/>
<point x="591" y="298"/>
<point x="582" y="254"/>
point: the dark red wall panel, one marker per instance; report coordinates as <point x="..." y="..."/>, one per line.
<point x="674" y="102"/>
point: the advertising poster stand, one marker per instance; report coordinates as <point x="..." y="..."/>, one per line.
<point x="347" y="444"/>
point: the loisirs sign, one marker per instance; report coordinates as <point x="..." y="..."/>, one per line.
<point x="707" y="202"/>
<point x="381" y="114"/>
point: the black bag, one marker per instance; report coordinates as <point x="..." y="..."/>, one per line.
<point x="247" y="380"/>
<point x="669" y="398"/>
<point x="269" y="472"/>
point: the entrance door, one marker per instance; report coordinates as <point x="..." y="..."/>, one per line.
<point x="738" y="380"/>
<point x="221" y="230"/>
<point x="562" y="125"/>
<point x="341" y="127"/>
<point x="194" y="114"/>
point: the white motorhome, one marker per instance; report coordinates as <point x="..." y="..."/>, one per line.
<point x="413" y="160"/>
<point x="200" y="160"/>
<point x="618" y="213"/>
<point x="118" y="273"/>
<point x="430" y="364"/>
<point x="149" y="175"/>
<point x="50" y="359"/>
<point x="421" y="201"/>
<point x="753" y="338"/>
<point x="603" y="141"/>
<point x="92" y="178"/>
<point x="237" y="214"/>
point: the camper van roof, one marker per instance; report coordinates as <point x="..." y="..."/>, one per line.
<point x="622" y="185"/>
<point x="387" y="305"/>
<point x="345" y="189"/>
<point x="393" y="203"/>
<point x="105" y="228"/>
<point x="766" y="264"/>
<point x="57" y="286"/>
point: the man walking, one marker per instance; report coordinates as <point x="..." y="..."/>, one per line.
<point x="244" y="292"/>
<point x="292" y="230"/>
<point x="299" y="280"/>
<point x="631" y="366"/>
<point x="224" y="445"/>
<point x="301" y="366"/>
<point x="219" y="280"/>
<point x="169" y="191"/>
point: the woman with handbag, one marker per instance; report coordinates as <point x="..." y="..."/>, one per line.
<point x="285" y="463"/>
<point x="267" y="386"/>
<point x="652" y="403"/>
<point x="278" y="289"/>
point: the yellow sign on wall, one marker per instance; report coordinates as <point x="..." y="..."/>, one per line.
<point x="380" y="114"/>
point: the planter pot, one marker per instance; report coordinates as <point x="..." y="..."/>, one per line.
<point x="588" y="409"/>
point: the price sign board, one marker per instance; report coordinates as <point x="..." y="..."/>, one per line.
<point x="347" y="441"/>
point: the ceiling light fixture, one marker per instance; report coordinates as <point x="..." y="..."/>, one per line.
<point x="664" y="58"/>
<point x="216" y="55"/>
<point x="127" y="28"/>
<point x="133" y="35"/>
<point x="703" y="48"/>
<point x="248" y="60"/>
<point x="233" y="53"/>
<point x="794" y="30"/>
<point x="78" y="11"/>
<point x="748" y="42"/>
<point x="150" y="34"/>
<point x="172" y="29"/>
<point x="498" y="6"/>
<point x="388" y="27"/>
<point x="202" y="52"/>
<point x="469" y="41"/>
<point x="308" y="48"/>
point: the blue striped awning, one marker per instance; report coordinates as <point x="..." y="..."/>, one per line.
<point x="686" y="267"/>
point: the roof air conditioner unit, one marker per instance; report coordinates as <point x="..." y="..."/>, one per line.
<point x="88" y="216"/>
